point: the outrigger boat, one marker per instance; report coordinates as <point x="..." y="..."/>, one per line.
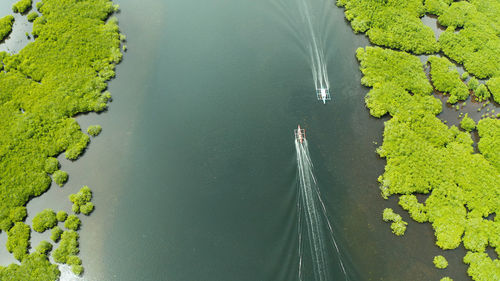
<point x="300" y="134"/>
<point x="323" y="94"/>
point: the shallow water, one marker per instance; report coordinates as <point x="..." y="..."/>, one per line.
<point x="194" y="174"/>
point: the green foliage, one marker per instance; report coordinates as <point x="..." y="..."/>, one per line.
<point x="18" y="240"/>
<point x="6" y="26"/>
<point x="383" y="66"/>
<point x="60" y="74"/>
<point x="440" y="262"/>
<point x="482" y="93"/>
<point x="465" y="75"/>
<point x="436" y="7"/>
<point x="18" y="214"/>
<point x="467" y="123"/>
<point x="44" y="220"/>
<point x="73" y="260"/>
<point x="482" y="268"/>
<point x="32" y="16"/>
<point x="35" y="266"/>
<point x="394" y="24"/>
<point x="87" y="208"/>
<point x="56" y="233"/>
<point x="477" y="45"/>
<point x="415" y="209"/>
<point x="51" y="165"/>
<point x="21" y="6"/>
<point x="446" y="279"/>
<point x="390" y="98"/>
<point x="426" y="156"/>
<point x="473" y="84"/>
<point x="68" y="246"/>
<point x="94" y="130"/>
<point x="77" y="269"/>
<point x="489" y="142"/>
<point x="44" y="247"/>
<point x="76" y="264"/>
<point x="494" y="87"/>
<point x="81" y="199"/>
<point x="60" y="177"/>
<point x="446" y="78"/>
<point x="398" y="226"/>
<point x="389" y="215"/>
<point x="61" y="216"/>
<point x="72" y="222"/>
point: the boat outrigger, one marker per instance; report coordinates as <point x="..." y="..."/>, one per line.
<point x="300" y="134"/>
<point x="323" y="94"/>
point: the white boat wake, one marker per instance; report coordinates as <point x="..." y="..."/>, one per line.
<point x="316" y="52"/>
<point x="313" y="219"/>
<point x="308" y="21"/>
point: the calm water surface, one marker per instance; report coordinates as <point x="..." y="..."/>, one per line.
<point x="194" y="174"/>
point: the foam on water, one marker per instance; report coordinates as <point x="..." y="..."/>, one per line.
<point x="313" y="224"/>
<point x="67" y="274"/>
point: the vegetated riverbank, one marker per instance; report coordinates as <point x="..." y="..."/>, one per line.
<point x="62" y="73"/>
<point x="424" y="155"/>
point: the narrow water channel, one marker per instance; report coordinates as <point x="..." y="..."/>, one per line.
<point x="194" y="174"/>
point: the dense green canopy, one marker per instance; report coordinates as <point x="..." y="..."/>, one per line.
<point x="440" y="262"/>
<point x="446" y="79"/>
<point x="68" y="247"/>
<point x="63" y="72"/>
<point x="477" y="44"/>
<point x="22" y="6"/>
<point x="81" y="201"/>
<point x="426" y="156"/>
<point x="392" y="23"/>
<point x="423" y="154"/>
<point x="44" y="220"/>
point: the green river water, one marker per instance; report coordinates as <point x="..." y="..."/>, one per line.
<point x="195" y="176"/>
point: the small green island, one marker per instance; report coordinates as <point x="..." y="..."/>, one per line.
<point x="43" y="86"/>
<point x="425" y="156"/>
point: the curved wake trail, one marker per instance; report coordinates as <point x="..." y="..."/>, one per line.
<point x="306" y="19"/>
<point x="312" y="214"/>
<point x="316" y="52"/>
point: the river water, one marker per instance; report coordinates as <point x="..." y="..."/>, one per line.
<point x="195" y="173"/>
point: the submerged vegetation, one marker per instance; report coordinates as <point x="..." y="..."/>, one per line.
<point x="63" y="72"/>
<point x="424" y="155"/>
